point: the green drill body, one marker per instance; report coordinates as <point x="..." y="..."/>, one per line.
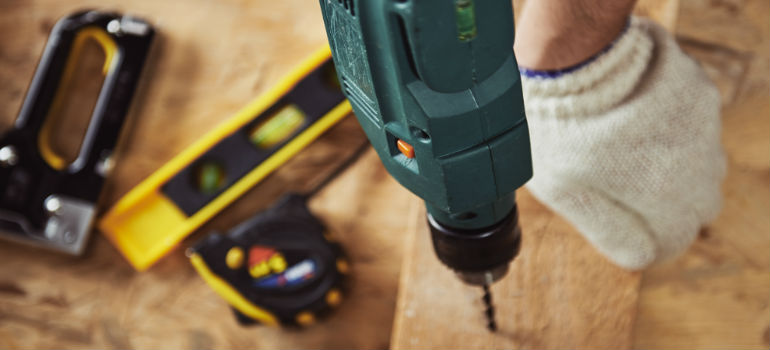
<point x="441" y="76"/>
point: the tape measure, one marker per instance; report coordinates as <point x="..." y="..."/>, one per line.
<point x="277" y="268"/>
<point x="156" y="215"/>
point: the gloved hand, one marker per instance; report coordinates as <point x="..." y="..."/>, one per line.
<point x="627" y="147"/>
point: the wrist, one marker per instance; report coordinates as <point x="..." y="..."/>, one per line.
<point x="526" y="70"/>
<point x="595" y="85"/>
<point x="554" y="34"/>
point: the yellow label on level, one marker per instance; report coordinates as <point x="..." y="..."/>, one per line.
<point x="278" y="127"/>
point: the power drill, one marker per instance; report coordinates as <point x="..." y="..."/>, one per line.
<point x="436" y="88"/>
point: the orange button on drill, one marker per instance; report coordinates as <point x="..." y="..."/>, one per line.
<point x="405" y="148"/>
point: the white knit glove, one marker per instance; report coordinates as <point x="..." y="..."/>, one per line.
<point x="627" y="148"/>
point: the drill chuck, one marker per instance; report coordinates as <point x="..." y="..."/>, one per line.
<point x="478" y="256"/>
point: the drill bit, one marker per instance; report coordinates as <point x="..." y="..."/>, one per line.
<point x="490" y="309"/>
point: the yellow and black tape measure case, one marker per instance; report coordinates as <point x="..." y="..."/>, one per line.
<point x="277" y="268"/>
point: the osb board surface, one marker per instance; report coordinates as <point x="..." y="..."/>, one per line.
<point x="215" y="56"/>
<point x="211" y="59"/>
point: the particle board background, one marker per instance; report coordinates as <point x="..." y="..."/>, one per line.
<point x="215" y="56"/>
<point x="211" y="59"/>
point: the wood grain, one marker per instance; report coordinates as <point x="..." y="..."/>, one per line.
<point x="559" y="294"/>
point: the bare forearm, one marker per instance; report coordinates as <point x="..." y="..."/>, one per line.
<point x="556" y="34"/>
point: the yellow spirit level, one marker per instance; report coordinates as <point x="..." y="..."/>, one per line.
<point x="187" y="191"/>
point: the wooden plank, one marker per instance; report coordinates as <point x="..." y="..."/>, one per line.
<point x="559" y="294"/>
